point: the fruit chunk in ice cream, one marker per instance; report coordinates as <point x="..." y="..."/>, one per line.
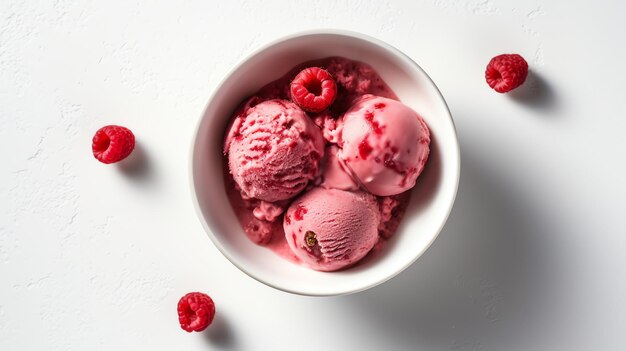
<point x="330" y="229"/>
<point x="385" y="144"/>
<point x="274" y="150"/>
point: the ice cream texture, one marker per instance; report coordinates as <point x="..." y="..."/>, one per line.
<point x="273" y="150"/>
<point x="330" y="229"/>
<point x="342" y="175"/>
<point x="385" y="144"/>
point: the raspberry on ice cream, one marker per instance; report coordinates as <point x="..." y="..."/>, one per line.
<point x="313" y="89"/>
<point x="385" y="144"/>
<point x="273" y="150"/>
<point x="331" y="229"/>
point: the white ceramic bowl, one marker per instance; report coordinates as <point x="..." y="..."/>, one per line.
<point x="432" y="198"/>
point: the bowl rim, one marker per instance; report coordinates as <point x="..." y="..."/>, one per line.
<point x="245" y="57"/>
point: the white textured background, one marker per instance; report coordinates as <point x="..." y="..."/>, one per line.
<point x="95" y="257"/>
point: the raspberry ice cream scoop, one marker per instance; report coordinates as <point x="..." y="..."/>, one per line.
<point x="274" y="150"/>
<point x="385" y="144"/>
<point x="331" y="229"/>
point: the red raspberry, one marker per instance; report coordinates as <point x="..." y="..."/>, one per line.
<point x="313" y="89"/>
<point x="195" y="311"/>
<point x="112" y="144"/>
<point x="506" y="72"/>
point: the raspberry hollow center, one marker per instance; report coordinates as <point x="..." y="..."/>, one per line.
<point x="496" y="75"/>
<point x="190" y="314"/>
<point x="102" y="143"/>
<point x="314" y="87"/>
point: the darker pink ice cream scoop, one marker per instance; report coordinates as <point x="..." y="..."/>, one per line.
<point x="274" y="150"/>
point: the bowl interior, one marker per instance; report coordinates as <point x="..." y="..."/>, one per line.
<point x="432" y="198"/>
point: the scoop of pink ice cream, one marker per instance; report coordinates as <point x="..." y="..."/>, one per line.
<point x="385" y="144"/>
<point x="330" y="229"/>
<point x="273" y="150"/>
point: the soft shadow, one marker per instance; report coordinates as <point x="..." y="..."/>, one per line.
<point x="422" y="194"/>
<point x="428" y="182"/>
<point x="138" y="166"/>
<point x="535" y="93"/>
<point x="479" y="286"/>
<point x="219" y="334"/>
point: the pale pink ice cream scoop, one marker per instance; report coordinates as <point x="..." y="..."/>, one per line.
<point x="330" y="229"/>
<point x="385" y="144"/>
<point x="274" y="150"/>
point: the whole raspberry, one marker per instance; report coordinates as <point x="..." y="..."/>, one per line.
<point x="112" y="144"/>
<point x="506" y="72"/>
<point x="195" y="311"/>
<point x="313" y="89"/>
